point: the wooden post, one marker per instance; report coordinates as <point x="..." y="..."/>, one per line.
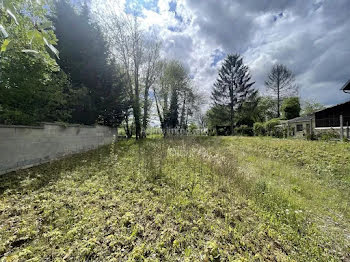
<point x="341" y="128"/>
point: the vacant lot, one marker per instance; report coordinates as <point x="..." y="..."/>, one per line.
<point x="193" y="199"/>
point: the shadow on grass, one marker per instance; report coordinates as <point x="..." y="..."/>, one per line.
<point x="49" y="172"/>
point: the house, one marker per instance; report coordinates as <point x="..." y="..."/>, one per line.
<point x="301" y="126"/>
<point x="335" y="118"/>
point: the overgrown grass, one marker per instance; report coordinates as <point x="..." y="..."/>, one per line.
<point x="190" y="199"/>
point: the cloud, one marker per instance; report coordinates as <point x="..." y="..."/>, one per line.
<point x="310" y="37"/>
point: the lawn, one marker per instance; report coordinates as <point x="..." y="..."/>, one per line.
<point x="189" y="199"/>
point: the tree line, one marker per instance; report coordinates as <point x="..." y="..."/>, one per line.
<point x="67" y="62"/>
<point x="237" y="106"/>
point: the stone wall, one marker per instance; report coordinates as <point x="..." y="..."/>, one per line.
<point x="26" y="146"/>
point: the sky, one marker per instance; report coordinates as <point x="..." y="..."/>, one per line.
<point x="311" y="37"/>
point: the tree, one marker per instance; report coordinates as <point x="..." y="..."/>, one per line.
<point x="31" y="92"/>
<point x="281" y="82"/>
<point x="248" y="112"/>
<point x="310" y="106"/>
<point x="126" y="41"/>
<point x="32" y="87"/>
<point x="171" y="88"/>
<point x="85" y="58"/>
<point x="291" y="107"/>
<point x="151" y="70"/>
<point x="218" y="115"/>
<point x="25" y="27"/>
<point x="266" y="109"/>
<point x="233" y="86"/>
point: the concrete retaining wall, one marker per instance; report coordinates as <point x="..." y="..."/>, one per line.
<point x="25" y="146"/>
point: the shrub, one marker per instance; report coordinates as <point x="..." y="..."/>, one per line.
<point x="259" y="129"/>
<point x="244" y="130"/>
<point x="291" y="107"/>
<point x="270" y="126"/>
<point x="328" y="135"/>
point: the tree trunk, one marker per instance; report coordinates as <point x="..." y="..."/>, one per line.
<point x="145" y="111"/>
<point x="136" y="105"/>
<point x="278" y="96"/>
<point x="127" y="129"/>
<point x="182" y="119"/>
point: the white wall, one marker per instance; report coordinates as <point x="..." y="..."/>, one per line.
<point x="24" y="146"/>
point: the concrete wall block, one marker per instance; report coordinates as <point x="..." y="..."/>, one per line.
<point x="21" y="147"/>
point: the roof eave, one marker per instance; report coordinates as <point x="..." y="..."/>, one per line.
<point x="346" y="87"/>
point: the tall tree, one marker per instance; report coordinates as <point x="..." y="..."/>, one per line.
<point x="233" y="85"/>
<point x="281" y="82"/>
<point x="85" y="58"/>
<point x="126" y="42"/>
<point x="171" y="88"/>
<point x="151" y="70"/>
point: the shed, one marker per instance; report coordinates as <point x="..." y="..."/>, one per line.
<point x="301" y="126"/>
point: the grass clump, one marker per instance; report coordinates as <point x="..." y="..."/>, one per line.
<point x="190" y="199"/>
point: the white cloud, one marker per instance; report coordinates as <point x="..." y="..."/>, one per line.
<point x="311" y="37"/>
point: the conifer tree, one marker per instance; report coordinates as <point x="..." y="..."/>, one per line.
<point x="85" y="58"/>
<point x="233" y="85"/>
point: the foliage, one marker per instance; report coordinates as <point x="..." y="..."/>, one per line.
<point x="291" y="107"/>
<point x="310" y="106"/>
<point x="270" y="126"/>
<point x="218" y="115"/>
<point x="265" y="109"/>
<point x="235" y="198"/>
<point x="328" y="135"/>
<point x="192" y="127"/>
<point x="259" y="129"/>
<point x="248" y="112"/>
<point x="244" y="130"/>
<point x="31" y="91"/>
<point x="84" y="58"/>
<point x="25" y="28"/>
<point x="32" y="88"/>
<point x="233" y="85"/>
<point x="174" y="95"/>
<point x="281" y="82"/>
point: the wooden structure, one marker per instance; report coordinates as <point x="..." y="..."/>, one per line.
<point x="346" y="87"/>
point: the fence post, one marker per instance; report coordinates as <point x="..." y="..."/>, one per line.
<point x="341" y="128"/>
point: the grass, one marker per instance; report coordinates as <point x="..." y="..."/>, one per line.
<point x="190" y="199"/>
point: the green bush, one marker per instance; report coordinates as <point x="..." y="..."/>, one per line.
<point x="244" y="130"/>
<point x="279" y="132"/>
<point x="329" y="135"/>
<point x="270" y="127"/>
<point x="259" y="129"/>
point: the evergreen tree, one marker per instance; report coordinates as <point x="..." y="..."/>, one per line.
<point x="233" y="85"/>
<point x="84" y="57"/>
